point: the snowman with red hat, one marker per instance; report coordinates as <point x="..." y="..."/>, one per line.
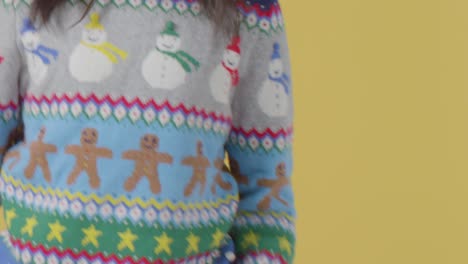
<point x="226" y="75"/>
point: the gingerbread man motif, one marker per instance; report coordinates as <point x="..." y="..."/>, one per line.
<point x="38" y="151"/>
<point x="147" y="161"/>
<point x="275" y="186"/>
<point x="200" y="164"/>
<point x="86" y="155"/>
<point x="219" y="181"/>
<point x="236" y="173"/>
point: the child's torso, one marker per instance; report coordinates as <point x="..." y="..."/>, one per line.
<point x="126" y="115"/>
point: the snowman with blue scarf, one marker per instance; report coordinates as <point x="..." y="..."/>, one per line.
<point x="38" y="56"/>
<point x="274" y="95"/>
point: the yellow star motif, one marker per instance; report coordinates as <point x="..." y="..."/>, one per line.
<point x="250" y="239"/>
<point x="164" y="244"/>
<point x="126" y="240"/>
<point x="9" y="215"/>
<point x="31" y="223"/>
<point x="218" y="237"/>
<point x="285" y="245"/>
<point x="193" y="242"/>
<point x="91" y="236"/>
<point x="56" y="230"/>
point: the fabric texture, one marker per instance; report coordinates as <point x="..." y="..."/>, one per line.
<point x="115" y="133"/>
<point x="5" y="254"/>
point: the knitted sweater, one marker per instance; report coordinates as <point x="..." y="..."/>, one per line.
<point x="128" y="116"/>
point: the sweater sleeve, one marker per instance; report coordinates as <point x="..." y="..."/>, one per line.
<point x="10" y="62"/>
<point x="259" y="147"/>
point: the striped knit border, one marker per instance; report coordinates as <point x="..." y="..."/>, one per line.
<point x="28" y="252"/>
<point x="95" y="236"/>
<point x="263" y="257"/>
<point x="151" y="210"/>
<point x="264" y="15"/>
<point x="8" y="112"/>
<point x="121" y="109"/>
<point x="108" y="210"/>
<point x="268" y="140"/>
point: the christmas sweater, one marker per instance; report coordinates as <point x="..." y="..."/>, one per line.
<point x="125" y="118"/>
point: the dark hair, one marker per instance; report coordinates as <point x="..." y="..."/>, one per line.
<point x="223" y="13"/>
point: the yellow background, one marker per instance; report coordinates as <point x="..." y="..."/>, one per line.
<point x="381" y="145"/>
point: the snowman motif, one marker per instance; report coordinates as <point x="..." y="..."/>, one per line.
<point x="37" y="55"/>
<point x="226" y="74"/>
<point x="166" y="66"/>
<point x="93" y="59"/>
<point x="273" y="97"/>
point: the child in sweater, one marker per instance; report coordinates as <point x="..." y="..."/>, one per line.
<point x="129" y="108"/>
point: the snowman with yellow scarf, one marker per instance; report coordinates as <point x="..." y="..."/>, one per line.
<point x="93" y="59"/>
